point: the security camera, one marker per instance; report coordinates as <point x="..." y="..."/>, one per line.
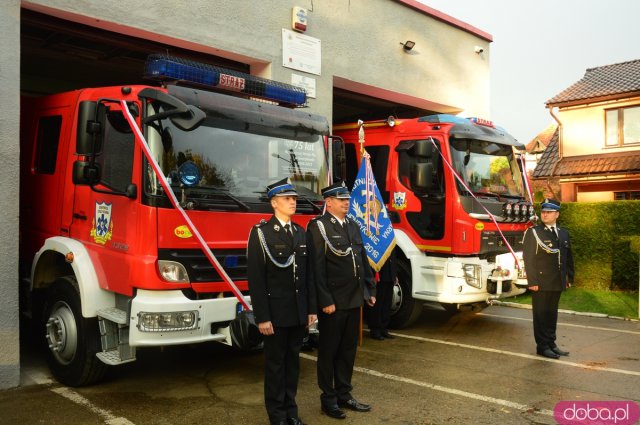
<point x="478" y="49"/>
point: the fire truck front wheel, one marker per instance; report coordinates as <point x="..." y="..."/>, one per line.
<point x="404" y="308"/>
<point x="73" y="340"/>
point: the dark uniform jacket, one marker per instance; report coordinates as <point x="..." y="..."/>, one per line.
<point x="549" y="271"/>
<point x="279" y="295"/>
<point x="345" y="281"/>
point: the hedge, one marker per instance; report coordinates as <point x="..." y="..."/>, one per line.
<point x="606" y="238"/>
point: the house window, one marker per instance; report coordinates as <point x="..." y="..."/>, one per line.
<point x="624" y="196"/>
<point x="623" y="126"/>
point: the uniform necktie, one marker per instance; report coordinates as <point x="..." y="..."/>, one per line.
<point x="287" y="231"/>
<point x="553" y="229"/>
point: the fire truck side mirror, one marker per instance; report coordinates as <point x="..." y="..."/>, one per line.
<point x="339" y="158"/>
<point x="88" y="128"/>
<point x="85" y="174"/>
<point x="422" y="176"/>
<point x="132" y="191"/>
<point x="423" y="149"/>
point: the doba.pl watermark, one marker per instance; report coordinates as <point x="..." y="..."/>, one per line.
<point x="596" y="412"/>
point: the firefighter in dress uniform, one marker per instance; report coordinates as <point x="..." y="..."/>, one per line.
<point x="549" y="264"/>
<point x="343" y="281"/>
<point x="282" y="301"/>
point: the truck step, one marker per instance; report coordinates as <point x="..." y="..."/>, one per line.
<point x="112" y="358"/>
<point x="218" y="337"/>
<point x="114" y="314"/>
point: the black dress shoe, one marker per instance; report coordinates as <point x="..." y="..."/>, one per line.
<point x="376" y="335"/>
<point x="548" y="352"/>
<point x="385" y="333"/>
<point x="282" y="422"/>
<point x="334" y="412"/>
<point x="559" y="352"/>
<point x="354" y="404"/>
<point x="295" y="421"/>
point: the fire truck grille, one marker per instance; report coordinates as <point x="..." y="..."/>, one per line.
<point x="200" y="269"/>
<point x="492" y="242"/>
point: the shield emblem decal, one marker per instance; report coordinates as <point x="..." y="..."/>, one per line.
<point x="102" y="226"/>
<point x="399" y="200"/>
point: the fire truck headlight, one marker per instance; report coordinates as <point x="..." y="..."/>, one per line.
<point x="472" y="275"/>
<point x="507" y="210"/>
<point x="167" y="321"/>
<point x="532" y="210"/>
<point x="172" y="271"/>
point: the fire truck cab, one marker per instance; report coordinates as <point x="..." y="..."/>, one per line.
<point x="107" y="264"/>
<point x="456" y="238"/>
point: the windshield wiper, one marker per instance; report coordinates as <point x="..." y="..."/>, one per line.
<point x="487" y="194"/>
<point x="201" y="198"/>
<point x="310" y="202"/>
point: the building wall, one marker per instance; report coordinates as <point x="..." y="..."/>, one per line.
<point x="360" y="44"/>
<point x="361" y="51"/>
<point x="584" y="129"/>
<point x="10" y="156"/>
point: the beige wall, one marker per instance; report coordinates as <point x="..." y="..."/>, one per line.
<point x="360" y="44"/>
<point x="10" y="154"/>
<point x="583" y="129"/>
<point x="594" y="196"/>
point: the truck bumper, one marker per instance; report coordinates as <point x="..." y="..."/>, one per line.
<point x="445" y="280"/>
<point x="212" y="318"/>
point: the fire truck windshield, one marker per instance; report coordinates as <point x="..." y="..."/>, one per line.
<point x="488" y="168"/>
<point x="236" y="165"/>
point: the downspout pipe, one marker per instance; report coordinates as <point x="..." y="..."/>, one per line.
<point x="560" y="131"/>
<point x="555" y="117"/>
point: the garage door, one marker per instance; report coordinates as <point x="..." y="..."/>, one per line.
<point x="59" y="55"/>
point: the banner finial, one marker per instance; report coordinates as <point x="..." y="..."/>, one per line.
<point x="361" y="136"/>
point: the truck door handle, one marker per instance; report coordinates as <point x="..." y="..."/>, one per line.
<point x="79" y="216"/>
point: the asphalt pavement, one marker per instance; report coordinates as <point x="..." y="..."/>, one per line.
<point x="470" y="368"/>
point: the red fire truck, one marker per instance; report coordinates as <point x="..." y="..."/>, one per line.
<point x="107" y="263"/>
<point x="456" y="238"/>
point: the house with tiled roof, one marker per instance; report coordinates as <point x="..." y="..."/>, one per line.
<point x="536" y="146"/>
<point x="596" y="156"/>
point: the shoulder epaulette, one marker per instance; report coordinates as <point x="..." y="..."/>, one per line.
<point x="316" y="218"/>
<point x="262" y="223"/>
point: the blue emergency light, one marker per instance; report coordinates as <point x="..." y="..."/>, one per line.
<point x="443" y="119"/>
<point x="169" y="68"/>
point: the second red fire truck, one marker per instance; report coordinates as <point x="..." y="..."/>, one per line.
<point x="457" y="238"/>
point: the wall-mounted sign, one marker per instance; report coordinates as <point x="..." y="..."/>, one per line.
<point x="307" y="83"/>
<point x="301" y="52"/>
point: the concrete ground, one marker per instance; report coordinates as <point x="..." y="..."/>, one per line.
<point x="471" y="368"/>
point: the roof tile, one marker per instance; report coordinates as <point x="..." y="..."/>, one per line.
<point x="547" y="161"/>
<point x="608" y="80"/>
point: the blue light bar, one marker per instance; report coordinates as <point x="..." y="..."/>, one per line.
<point x="168" y="68"/>
<point x="443" y="119"/>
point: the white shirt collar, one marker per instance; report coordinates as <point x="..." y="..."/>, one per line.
<point x="285" y="222"/>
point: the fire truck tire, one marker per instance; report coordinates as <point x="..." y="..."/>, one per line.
<point x="404" y="308"/>
<point x="72" y="340"/>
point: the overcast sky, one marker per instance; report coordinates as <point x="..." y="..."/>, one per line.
<point x="542" y="47"/>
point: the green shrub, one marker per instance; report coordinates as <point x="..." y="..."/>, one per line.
<point x="603" y="236"/>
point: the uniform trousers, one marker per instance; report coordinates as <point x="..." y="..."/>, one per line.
<point x="545" y="318"/>
<point x="378" y="316"/>
<point x="337" y="354"/>
<point x="282" y="368"/>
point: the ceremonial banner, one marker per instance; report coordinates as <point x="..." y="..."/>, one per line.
<point x="367" y="209"/>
